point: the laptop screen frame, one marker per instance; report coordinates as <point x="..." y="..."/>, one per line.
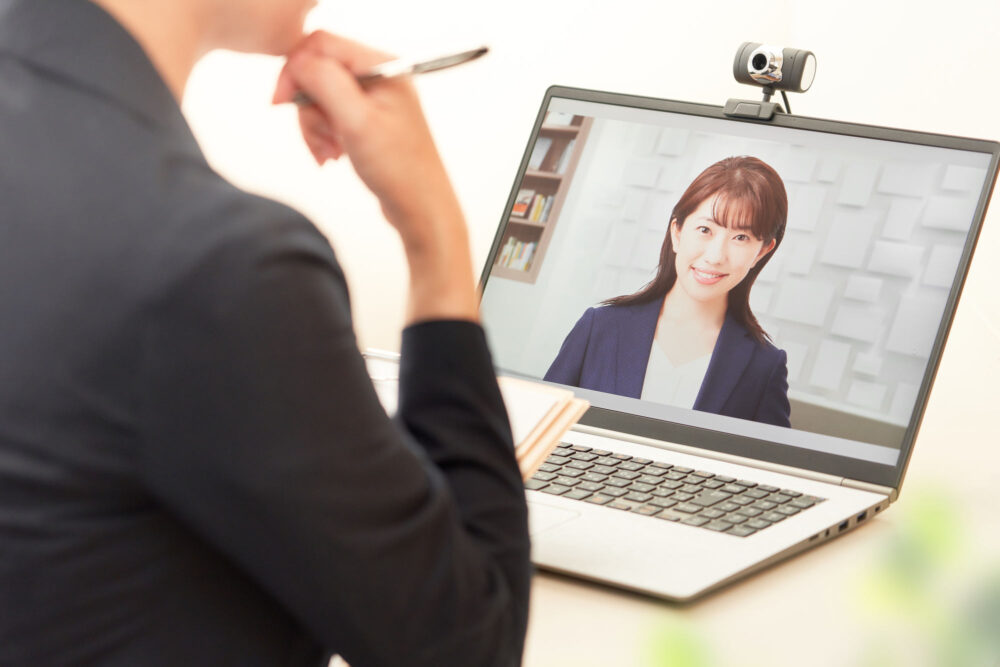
<point x="741" y="445"/>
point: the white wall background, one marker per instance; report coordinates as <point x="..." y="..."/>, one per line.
<point x="938" y="66"/>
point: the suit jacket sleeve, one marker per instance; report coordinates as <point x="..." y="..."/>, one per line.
<point x="567" y="367"/>
<point x="391" y="541"/>
<point x="774" y="407"/>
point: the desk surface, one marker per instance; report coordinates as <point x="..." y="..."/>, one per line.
<point x="894" y="591"/>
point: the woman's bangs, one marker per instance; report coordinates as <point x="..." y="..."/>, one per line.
<point x="743" y="211"/>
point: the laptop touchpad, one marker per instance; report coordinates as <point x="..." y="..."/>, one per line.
<point x="543" y="517"/>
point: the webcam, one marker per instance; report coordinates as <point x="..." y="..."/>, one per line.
<point x="780" y="68"/>
<point x="773" y="68"/>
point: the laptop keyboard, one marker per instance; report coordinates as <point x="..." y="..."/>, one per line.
<point x="655" y="489"/>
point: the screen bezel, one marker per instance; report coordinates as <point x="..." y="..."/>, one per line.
<point x="755" y="448"/>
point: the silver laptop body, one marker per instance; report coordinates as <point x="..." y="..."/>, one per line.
<point x="859" y="295"/>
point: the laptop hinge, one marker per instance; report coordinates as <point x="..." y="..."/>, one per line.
<point x="871" y="488"/>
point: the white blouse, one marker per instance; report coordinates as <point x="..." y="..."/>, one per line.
<point x="673" y="385"/>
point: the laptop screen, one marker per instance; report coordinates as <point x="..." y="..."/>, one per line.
<point x="779" y="290"/>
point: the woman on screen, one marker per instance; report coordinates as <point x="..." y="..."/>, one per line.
<point x="688" y="338"/>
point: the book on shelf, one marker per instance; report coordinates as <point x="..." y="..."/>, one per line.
<point x="539" y="414"/>
<point x="516" y="254"/>
<point x="522" y="202"/>
<point x="537" y="205"/>
<point x="538" y="153"/>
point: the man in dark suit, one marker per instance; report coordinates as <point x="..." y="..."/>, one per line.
<point x="194" y="467"/>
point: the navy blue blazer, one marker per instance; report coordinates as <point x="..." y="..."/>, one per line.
<point x="608" y="350"/>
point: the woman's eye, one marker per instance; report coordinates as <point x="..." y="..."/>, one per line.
<point x="703" y="229"/>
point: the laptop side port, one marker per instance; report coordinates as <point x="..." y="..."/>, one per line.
<point x="862" y="516"/>
<point x="842" y="527"/>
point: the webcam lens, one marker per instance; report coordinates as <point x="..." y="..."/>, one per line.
<point x="759" y="62"/>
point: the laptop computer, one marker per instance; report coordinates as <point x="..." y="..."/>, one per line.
<point x="786" y="420"/>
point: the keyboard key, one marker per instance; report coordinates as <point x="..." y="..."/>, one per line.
<point x="711" y="484"/>
<point x="624" y="505"/>
<point x="561" y="451"/>
<point x="618" y="481"/>
<point x="548" y="467"/>
<point x="763" y="505"/>
<point x="630" y="465"/>
<point x="656" y="470"/>
<point x="579" y="448"/>
<point x="695" y="521"/>
<point x="694" y="479"/>
<point x="599" y="499"/>
<point x="641" y="487"/>
<point x="773" y="517"/>
<point x="581" y="456"/>
<point x="691" y="488"/>
<point x="570" y="472"/>
<point x="709" y="498"/>
<point x="623" y="457"/>
<point x="580" y="465"/>
<point x="648" y="510"/>
<point x="702" y="473"/>
<point x="756" y="524"/>
<point x="600" y="452"/>
<point x="719" y="526"/>
<point x="724" y="479"/>
<point x="644" y="462"/>
<point x="671" y="484"/>
<point x="674" y="475"/>
<point x="814" y="499"/>
<point x="662" y="493"/>
<point x="779" y="498"/>
<point x="733" y="488"/>
<point x="793" y="494"/>
<point x="683" y="497"/>
<point x="613" y="492"/>
<point x="727" y="506"/>
<point x="741" y="500"/>
<point x="594" y="477"/>
<point x="544" y="476"/>
<point x="590" y="486"/>
<point x="711" y="514"/>
<point x="735" y="518"/>
<point x="555" y="489"/>
<point x="667" y="516"/>
<point x="649" y="479"/>
<point x="535" y="484"/>
<point x="683" y="470"/>
<point x="788" y="510"/>
<point x="625" y="474"/>
<point x="607" y="461"/>
<point x="638" y="497"/>
<point x="755" y="493"/>
<point x="663" y="502"/>
<point x="602" y="469"/>
<point x="749" y="512"/>
<point x="769" y="489"/>
<point x="740" y="531"/>
<point x="577" y="494"/>
<point x="687" y="508"/>
<point x="558" y="460"/>
<point x="566" y="481"/>
<point x="801" y="503"/>
<point x="746" y="482"/>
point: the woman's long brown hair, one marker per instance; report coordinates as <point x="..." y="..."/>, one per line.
<point x="751" y="196"/>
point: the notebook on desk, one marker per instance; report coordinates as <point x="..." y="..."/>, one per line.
<point x="755" y="311"/>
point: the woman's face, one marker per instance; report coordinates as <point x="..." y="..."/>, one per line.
<point x="711" y="258"/>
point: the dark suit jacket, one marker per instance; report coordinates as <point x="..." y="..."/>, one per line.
<point x="608" y="350"/>
<point x="194" y="466"/>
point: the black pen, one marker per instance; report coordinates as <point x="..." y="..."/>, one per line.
<point x="405" y="67"/>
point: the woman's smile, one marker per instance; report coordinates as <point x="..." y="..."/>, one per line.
<point x="706" y="277"/>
